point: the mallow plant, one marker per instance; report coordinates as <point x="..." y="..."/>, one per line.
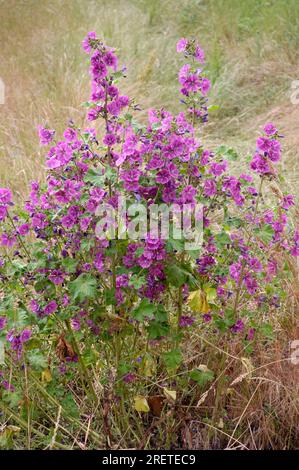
<point x="96" y="306"/>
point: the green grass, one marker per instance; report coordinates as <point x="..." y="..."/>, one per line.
<point x="252" y="50"/>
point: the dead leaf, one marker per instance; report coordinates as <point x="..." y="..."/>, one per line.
<point x="156" y="404"/>
<point x="64" y="349"/>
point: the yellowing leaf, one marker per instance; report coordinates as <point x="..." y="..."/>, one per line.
<point x="211" y="293"/>
<point x="141" y="404"/>
<point x="46" y="376"/>
<point x="149" y="366"/>
<point x="197" y="301"/>
<point x="205" y="306"/>
<point x="170" y="394"/>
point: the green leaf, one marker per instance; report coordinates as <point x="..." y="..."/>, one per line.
<point x="11" y="398"/>
<point x="94" y="177"/>
<point x="84" y="287"/>
<point x="202" y="376"/>
<point x="267" y="330"/>
<point x="228" y="152"/>
<point x="222" y="239"/>
<point x="144" y="309"/>
<point x="157" y="329"/>
<point x="69" y="405"/>
<point x="45" y="285"/>
<point x="175" y="245"/>
<point x="137" y="281"/>
<point x="176" y="276"/>
<point x="172" y="358"/>
<point x="265" y="234"/>
<point x="36" y="359"/>
<point x="109" y="295"/>
<point x="70" y="265"/>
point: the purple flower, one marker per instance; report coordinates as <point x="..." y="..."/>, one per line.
<point x="3" y="213"/>
<point x="288" y="201"/>
<point x="5" y="196"/>
<point x="75" y="323"/>
<point x="250" y="334"/>
<point x="51" y="307"/>
<point x="205" y="85"/>
<point x="25" y="336"/>
<point x="86" y="43"/>
<point x="199" y="54"/>
<point x="3" y="321"/>
<point x="218" y="168"/>
<point x="235" y="271"/>
<point x="181" y="45"/>
<point x="68" y="222"/>
<point x="45" y="135"/>
<point x="110" y="60"/>
<point x="93" y="113"/>
<point x="123" y="101"/>
<point x="109" y="139"/>
<point x="237" y="327"/>
<point x="8" y="386"/>
<point x="70" y="134"/>
<point x="129" y="377"/>
<point x="186" y="320"/>
<point x="163" y="176"/>
<point x="56" y="276"/>
<point x="188" y="194"/>
<point x="210" y="188"/>
<point x="255" y="264"/>
<point x="23" y="229"/>
<point x="34" y="306"/>
<point x="131" y="178"/>
<point x="270" y="129"/>
<point x="8" y="240"/>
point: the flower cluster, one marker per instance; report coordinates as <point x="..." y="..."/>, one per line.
<point x="68" y="278"/>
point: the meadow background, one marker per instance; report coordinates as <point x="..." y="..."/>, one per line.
<point x="252" y="51"/>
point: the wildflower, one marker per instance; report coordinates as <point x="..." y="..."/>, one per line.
<point x="270" y="129"/>
<point x="238" y="326"/>
<point x="186" y="320"/>
<point x="5" y="196"/>
<point x="75" y="323"/>
<point x="56" y="276"/>
<point x="210" y="188"/>
<point x="181" y="45"/>
<point x="45" y="135"/>
<point x="109" y="140"/>
<point x="288" y="201"/>
<point x="3" y="321"/>
<point x="250" y="334"/>
<point x="3" y="213"/>
<point x="51" y="307"/>
<point x="87" y="42"/>
<point x="23" y="229"/>
<point x="70" y="134"/>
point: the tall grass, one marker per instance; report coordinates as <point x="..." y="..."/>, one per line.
<point x="251" y="46"/>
